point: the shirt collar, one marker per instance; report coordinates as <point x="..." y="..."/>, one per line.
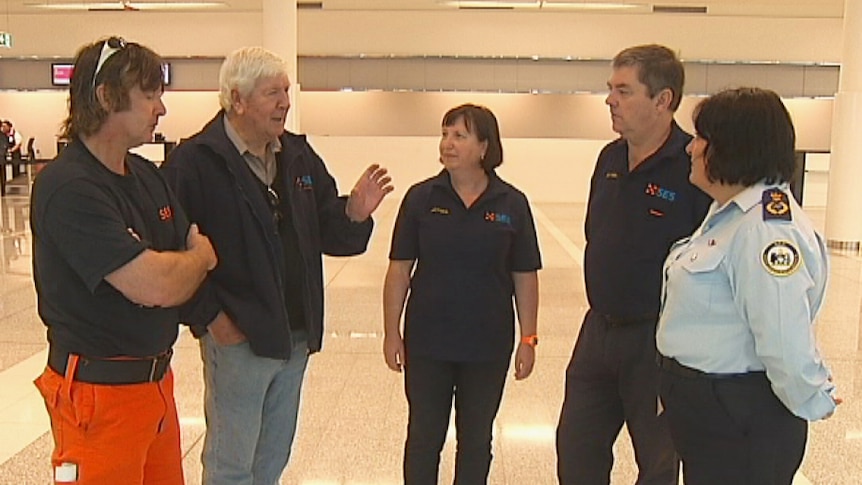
<point x="753" y="195"/>
<point x="749" y="198"/>
<point x="675" y="143"/>
<point x="495" y="185"/>
<point x="240" y="144"/>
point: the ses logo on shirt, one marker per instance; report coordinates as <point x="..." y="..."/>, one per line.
<point x="656" y="191"/>
<point x="304" y="182"/>
<point x="498" y="217"/>
<point x="166" y="213"/>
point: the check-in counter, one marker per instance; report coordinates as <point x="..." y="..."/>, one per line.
<point x="155" y="151"/>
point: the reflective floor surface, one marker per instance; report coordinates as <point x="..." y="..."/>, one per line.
<point x="353" y="416"/>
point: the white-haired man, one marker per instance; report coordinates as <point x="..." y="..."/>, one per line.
<point x="271" y="209"/>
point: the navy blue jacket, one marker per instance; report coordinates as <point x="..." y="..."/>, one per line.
<point x="220" y="193"/>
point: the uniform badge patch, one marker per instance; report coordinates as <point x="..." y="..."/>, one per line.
<point x="781" y="258"/>
<point x="304" y="182"/>
<point x="775" y="205"/>
<point x="498" y="217"/>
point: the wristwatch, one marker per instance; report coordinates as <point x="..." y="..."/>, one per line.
<point x="531" y="340"/>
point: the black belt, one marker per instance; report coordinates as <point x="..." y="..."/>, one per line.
<point x="623" y="321"/>
<point x="673" y="367"/>
<point x="114" y="371"/>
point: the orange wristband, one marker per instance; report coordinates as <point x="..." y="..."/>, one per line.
<point x="531" y="340"/>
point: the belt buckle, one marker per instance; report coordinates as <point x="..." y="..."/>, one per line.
<point x="158" y="365"/>
<point x="153" y="364"/>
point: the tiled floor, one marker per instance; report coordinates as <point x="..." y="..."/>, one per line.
<point x="354" y="413"/>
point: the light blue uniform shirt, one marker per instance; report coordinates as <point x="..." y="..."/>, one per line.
<point x="741" y="294"/>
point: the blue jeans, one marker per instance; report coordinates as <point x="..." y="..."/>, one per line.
<point x="251" y="405"/>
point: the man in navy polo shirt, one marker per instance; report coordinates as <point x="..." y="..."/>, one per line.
<point x="640" y="202"/>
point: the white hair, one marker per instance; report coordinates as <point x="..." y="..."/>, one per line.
<point x="242" y="69"/>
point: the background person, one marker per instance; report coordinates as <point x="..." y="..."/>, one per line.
<point x="113" y="257"/>
<point x="4" y="140"/>
<point x="4" y="154"/>
<point x="272" y="209"/>
<point x="13" y="146"/>
<point x="741" y="374"/>
<point x="473" y="242"/>
<point x="640" y="202"/>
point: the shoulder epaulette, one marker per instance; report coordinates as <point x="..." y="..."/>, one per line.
<point x="776" y="205"/>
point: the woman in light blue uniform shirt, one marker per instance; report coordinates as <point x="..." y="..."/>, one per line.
<point x="741" y="373"/>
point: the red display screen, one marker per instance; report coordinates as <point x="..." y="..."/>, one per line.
<point x="61" y="73"/>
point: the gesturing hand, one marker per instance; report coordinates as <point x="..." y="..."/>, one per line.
<point x="369" y="190"/>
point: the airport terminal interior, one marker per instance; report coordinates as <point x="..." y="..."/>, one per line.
<point x="376" y="77"/>
<point x="354" y="413"/>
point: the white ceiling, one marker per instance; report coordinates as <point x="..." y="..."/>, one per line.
<point x="768" y="8"/>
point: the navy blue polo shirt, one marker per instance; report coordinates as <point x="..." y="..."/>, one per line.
<point x="460" y="306"/>
<point x="632" y="220"/>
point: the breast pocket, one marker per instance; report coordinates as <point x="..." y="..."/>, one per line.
<point x="705" y="278"/>
<point x="653" y="230"/>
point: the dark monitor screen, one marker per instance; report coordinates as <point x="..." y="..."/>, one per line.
<point x="61" y="73"/>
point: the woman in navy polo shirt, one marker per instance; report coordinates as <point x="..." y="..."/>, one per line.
<point x="464" y="245"/>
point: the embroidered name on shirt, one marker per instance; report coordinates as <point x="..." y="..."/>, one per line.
<point x="656" y="191"/>
<point x="166" y="213"/>
<point x="304" y="182"/>
<point x="498" y="217"/>
<point x="440" y="210"/>
<point x="612" y="175"/>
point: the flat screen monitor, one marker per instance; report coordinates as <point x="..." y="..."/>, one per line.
<point x="61" y="73"/>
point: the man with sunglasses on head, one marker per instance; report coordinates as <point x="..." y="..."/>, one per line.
<point x="272" y="209"/>
<point x="113" y="258"/>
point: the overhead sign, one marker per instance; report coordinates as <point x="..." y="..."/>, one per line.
<point x="6" y="40"/>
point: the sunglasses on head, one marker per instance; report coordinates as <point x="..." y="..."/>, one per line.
<point x="109" y="48"/>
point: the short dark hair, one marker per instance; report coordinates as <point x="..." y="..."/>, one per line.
<point x="132" y="65"/>
<point x="749" y="135"/>
<point x="658" y="68"/>
<point x="481" y="121"/>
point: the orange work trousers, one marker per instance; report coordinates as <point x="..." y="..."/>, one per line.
<point x="112" y="434"/>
